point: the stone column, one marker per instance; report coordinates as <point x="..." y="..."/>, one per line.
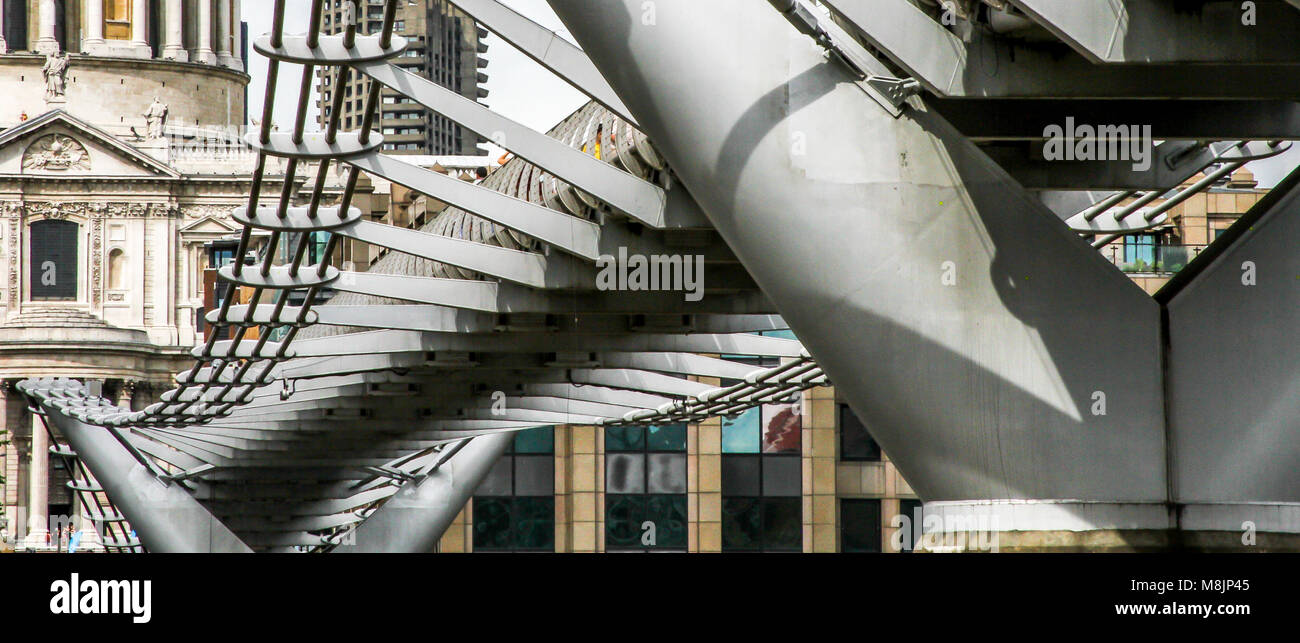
<point x="139" y="47"/>
<point x="225" y="46"/>
<point x="237" y="34"/>
<point x="8" y="470"/>
<point x="4" y="46"/>
<point x="93" y="43"/>
<point x="46" y="43"/>
<point x="38" y="481"/>
<point x="204" y="53"/>
<point x="174" y="43"/>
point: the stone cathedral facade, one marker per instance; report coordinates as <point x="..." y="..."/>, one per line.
<point x="118" y="163"/>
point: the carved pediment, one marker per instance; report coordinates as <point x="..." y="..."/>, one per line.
<point x="57" y="144"/>
<point x="56" y="153"/>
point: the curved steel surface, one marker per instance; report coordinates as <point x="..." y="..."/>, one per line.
<point x="966" y="325"/>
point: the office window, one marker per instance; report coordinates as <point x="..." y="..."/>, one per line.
<point x="1140" y="251"/>
<point x="762" y="479"/>
<point x="911" y="508"/>
<point x="856" y="445"/>
<point x="514" y="506"/>
<point x="316" y="248"/>
<point x="645" y="488"/>
<point x="53" y="266"/>
<point x="860" y="525"/>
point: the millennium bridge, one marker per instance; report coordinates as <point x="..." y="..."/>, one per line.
<point x="866" y="173"/>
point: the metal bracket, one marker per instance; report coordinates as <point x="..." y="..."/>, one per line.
<point x="891" y="93"/>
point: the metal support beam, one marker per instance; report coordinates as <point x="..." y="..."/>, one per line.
<point x="416" y="516"/>
<point x="1014" y="119"/>
<point x="565" y="232"/>
<point x="547" y="49"/>
<point x="637" y="198"/>
<point x="1158" y="31"/>
<point x="164" y="515"/>
<point x="950" y="66"/>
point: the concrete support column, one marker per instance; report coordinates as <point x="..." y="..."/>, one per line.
<point x="174" y="41"/>
<point x="204" y="52"/>
<point x="46" y="43"/>
<point x="225" y="44"/>
<point x="38" y="497"/>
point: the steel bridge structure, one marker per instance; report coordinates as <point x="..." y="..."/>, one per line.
<point x="865" y="173"/>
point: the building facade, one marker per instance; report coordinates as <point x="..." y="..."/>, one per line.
<point x="117" y="168"/>
<point x="445" y="46"/>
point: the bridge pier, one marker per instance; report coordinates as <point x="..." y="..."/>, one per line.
<point x="414" y="518"/>
<point x="166" y="518"/>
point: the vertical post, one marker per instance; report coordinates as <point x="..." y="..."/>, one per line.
<point x="38" y="480"/>
<point x="174" y="43"/>
<point x="46" y="43"/>
<point x="237" y="37"/>
<point x="224" y="34"/>
<point x="204" y="53"/>
<point x="4" y="46"/>
<point x="140" y="29"/>
<point x="93" y="21"/>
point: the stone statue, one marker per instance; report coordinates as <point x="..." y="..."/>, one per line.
<point x="349" y="13"/>
<point x="55" y="70"/>
<point x="156" y="117"/>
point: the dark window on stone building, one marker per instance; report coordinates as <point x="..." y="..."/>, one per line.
<point x="859" y="525"/>
<point x="645" y="488"/>
<point x="514" y="506"/>
<point x="855" y="443"/>
<point x="53" y="267"/>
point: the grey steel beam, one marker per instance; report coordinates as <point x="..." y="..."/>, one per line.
<point x="1233" y="321"/>
<point x="415" y="517"/>
<point x="511" y="298"/>
<point x="565" y="232"/>
<point x="547" y="49"/>
<point x="683" y="363"/>
<point x="951" y="66"/>
<point x="459" y="293"/>
<point x="900" y="201"/>
<point x="1014" y="119"/>
<point x="637" y="381"/>
<point x="422" y="318"/>
<point x="592" y="393"/>
<point x="1155" y="31"/>
<point x="1171" y="163"/>
<point x="393" y="341"/>
<point x="525" y="268"/>
<point x="632" y="195"/>
<point x="165" y="516"/>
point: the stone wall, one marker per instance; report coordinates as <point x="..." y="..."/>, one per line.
<point x="113" y="93"/>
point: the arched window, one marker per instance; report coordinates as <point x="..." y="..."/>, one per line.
<point x="116" y="269"/>
<point x="53" y="265"/>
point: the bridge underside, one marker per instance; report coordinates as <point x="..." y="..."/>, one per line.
<point x="834" y="185"/>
